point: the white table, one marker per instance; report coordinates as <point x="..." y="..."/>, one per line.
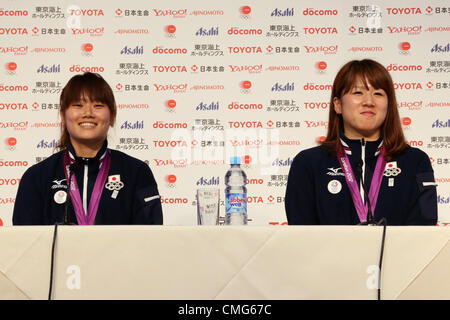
<point x="164" y="262"/>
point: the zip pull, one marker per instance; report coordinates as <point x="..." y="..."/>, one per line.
<point x="363" y="142"/>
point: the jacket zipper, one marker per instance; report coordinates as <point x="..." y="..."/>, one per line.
<point x="85" y="182"/>
<point x="363" y="157"/>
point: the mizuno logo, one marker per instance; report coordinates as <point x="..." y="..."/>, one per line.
<point x="334" y="172"/>
<point x="57" y="184"/>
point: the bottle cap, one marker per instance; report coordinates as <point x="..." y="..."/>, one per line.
<point x="235" y="160"/>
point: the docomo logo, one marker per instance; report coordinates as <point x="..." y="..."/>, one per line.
<point x="6" y="163"/>
<point x="15" y="50"/>
<point x="415" y="143"/>
<point x="395" y="11"/>
<point x="13" y="88"/>
<point x="77" y="68"/>
<point x="250" y="69"/>
<point x="13" y="31"/>
<point x="320" y="30"/>
<point x="244" y="106"/>
<point x="319" y="12"/>
<point x="13" y="13"/>
<point x="174" y="200"/>
<point x="404" y="47"/>
<point x="237" y="31"/>
<point x="9" y="182"/>
<point x="395" y="67"/>
<point x="319" y="87"/>
<point x="162" y="50"/>
<point x="322" y="49"/>
<point x="321" y="66"/>
<point x="180" y="13"/>
<point x="169" y="69"/>
<point x="86" y="12"/>
<point x="163" y="125"/>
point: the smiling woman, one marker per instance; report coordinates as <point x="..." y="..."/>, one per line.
<point x="102" y="186"/>
<point x="364" y="167"/>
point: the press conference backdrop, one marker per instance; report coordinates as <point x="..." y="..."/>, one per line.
<point x="197" y="82"/>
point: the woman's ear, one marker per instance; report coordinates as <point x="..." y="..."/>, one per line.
<point x="337" y="105"/>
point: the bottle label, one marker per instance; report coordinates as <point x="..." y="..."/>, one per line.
<point x="236" y="202"/>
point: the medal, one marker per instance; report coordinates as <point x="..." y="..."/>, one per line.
<point x="362" y="208"/>
<point x="82" y="217"/>
<point x="60" y="197"/>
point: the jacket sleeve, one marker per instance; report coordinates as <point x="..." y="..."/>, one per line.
<point x="300" y="195"/>
<point x="423" y="208"/>
<point x="147" y="201"/>
<point x="29" y="204"/>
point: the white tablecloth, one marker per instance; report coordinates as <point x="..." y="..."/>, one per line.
<point x="285" y="262"/>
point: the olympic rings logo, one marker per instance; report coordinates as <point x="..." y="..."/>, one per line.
<point x="392" y="172"/>
<point x="114" y="185"/>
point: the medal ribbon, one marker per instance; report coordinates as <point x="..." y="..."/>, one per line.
<point x="82" y="217"/>
<point x="361" y="208"/>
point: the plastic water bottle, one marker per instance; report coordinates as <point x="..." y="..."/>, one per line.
<point x="235" y="194"/>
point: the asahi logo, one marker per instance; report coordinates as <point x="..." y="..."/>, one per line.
<point x="47" y="144"/>
<point x="441" y="48"/>
<point x="138" y="50"/>
<point x="213" y="31"/>
<point x="288" y="12"/>
<point x="283" y="87"/>
<point x="127" y="125"/>
<point x="213" y="106"/>
<point x="214" y="181"/>
<point x="49" y="69"/>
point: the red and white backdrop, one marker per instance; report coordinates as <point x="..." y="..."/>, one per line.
<point x="199" y="81"/>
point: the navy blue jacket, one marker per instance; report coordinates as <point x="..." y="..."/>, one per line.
<point x="138" y="202"/>
<point x="408" y="198"/>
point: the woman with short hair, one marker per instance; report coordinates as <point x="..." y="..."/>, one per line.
<point x="86" y="183"/>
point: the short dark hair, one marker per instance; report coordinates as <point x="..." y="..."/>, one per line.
<point x="87" y="85"/>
